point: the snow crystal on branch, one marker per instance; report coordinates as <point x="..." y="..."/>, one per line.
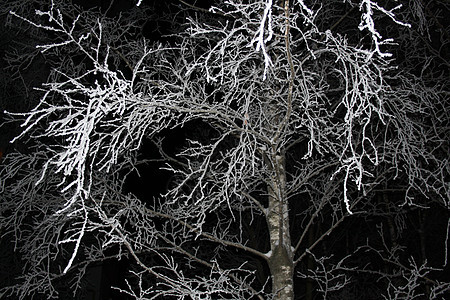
<point x="266" y="21"/>
<point x="368" y="23"/>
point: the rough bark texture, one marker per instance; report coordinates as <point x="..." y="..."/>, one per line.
<point x="281" y="268"/>
<point x="281" y="260"/>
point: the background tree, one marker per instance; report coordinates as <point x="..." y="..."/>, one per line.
<point x="285" y="126"/>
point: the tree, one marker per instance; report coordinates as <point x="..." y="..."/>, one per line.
<point x="297" y="120"/>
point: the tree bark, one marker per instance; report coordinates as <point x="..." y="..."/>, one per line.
<point x="281" y="259"/>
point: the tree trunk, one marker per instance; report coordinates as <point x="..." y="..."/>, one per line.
<point x="281" y="260"/>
